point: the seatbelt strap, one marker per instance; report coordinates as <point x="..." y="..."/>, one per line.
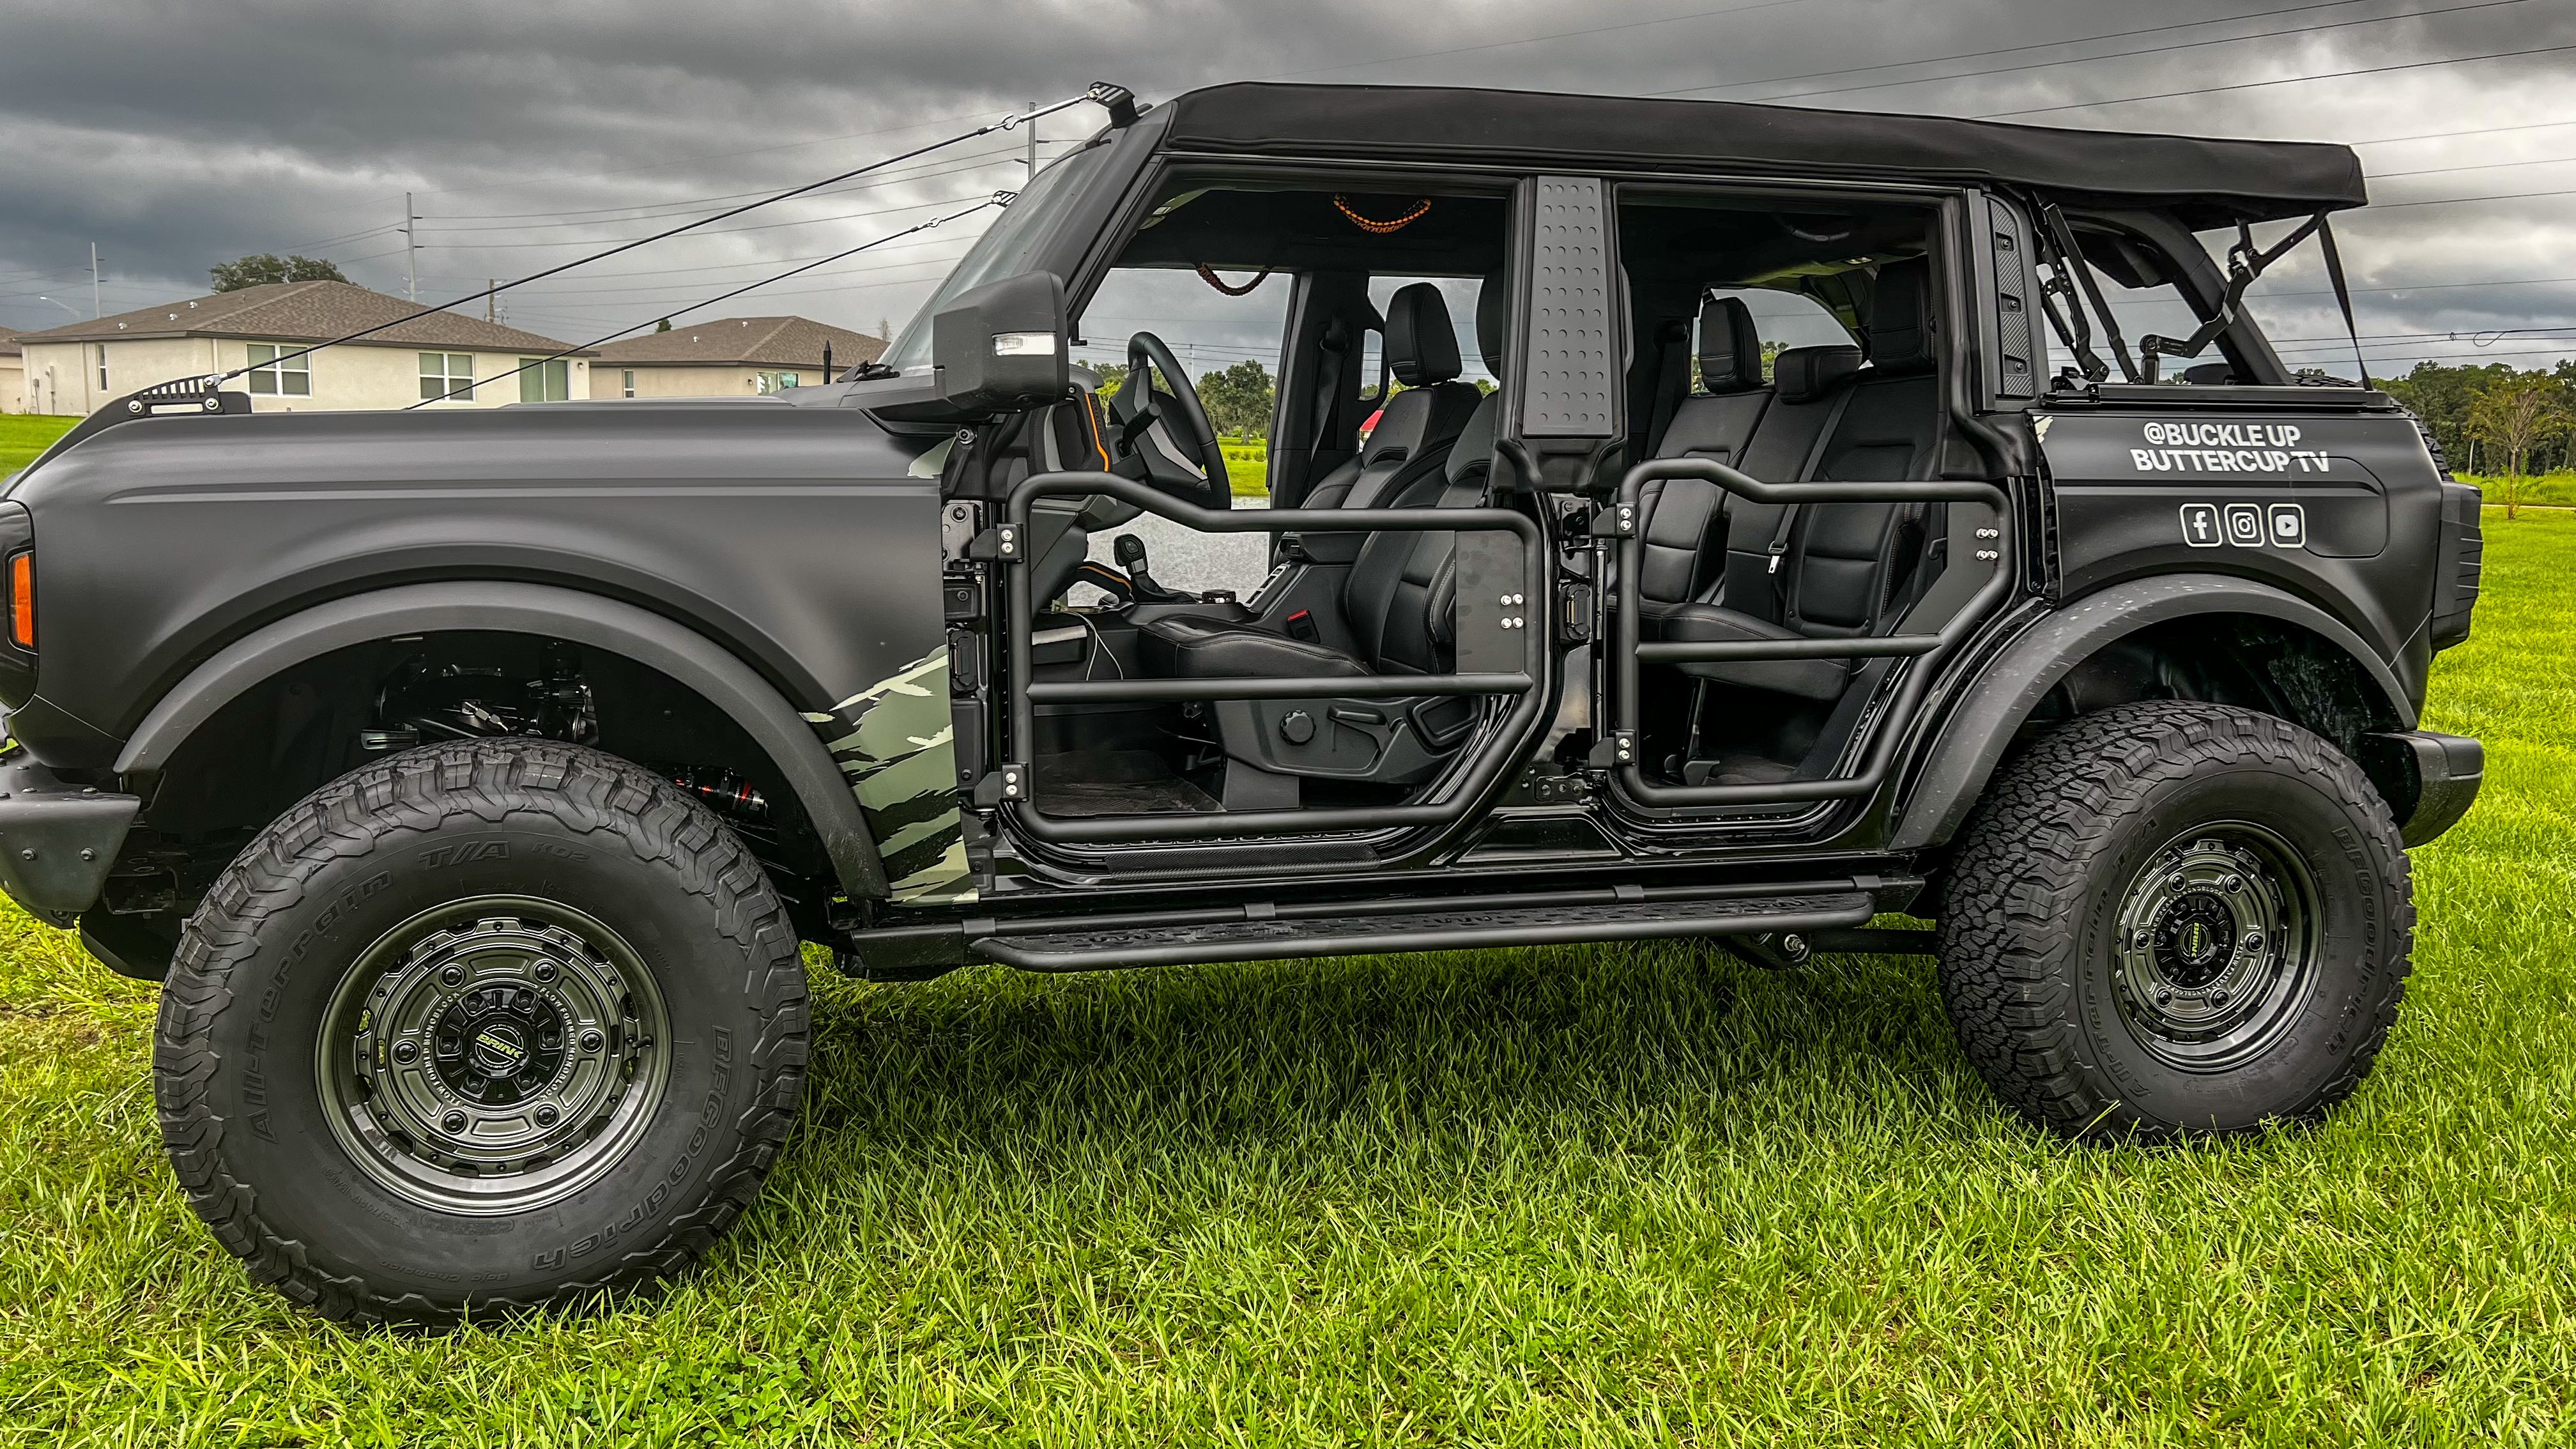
<point x="2343" y="294"/>
<point x="1328" y="393"/>
<point x="1672" y="382"/>
<point x="1788" y="520"/>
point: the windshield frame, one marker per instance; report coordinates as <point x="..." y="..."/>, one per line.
<point x="1029" y="234"/>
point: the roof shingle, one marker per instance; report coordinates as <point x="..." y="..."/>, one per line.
<point x="745" y="341"/>
<point x="302" y="312"/>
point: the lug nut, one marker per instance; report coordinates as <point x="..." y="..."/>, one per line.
<point x="452" y="975"/>
<point x="405" y="1051"/>
<point x="2164" y="998"/>
<point x="2218" y="998"/>
<point x="2233" y="883"/>
<point x="2253" y="940"/>
<point x="2144" y="938"/>
<point x="545" y="971"/>
<point x="546" y="1114"/>
<point x="453" y="1122"/>
<point x="592" y="1041"/>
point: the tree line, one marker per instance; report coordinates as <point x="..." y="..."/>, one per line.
<point x="2496" y="421"/>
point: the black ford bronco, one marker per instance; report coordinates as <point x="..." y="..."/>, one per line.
<point x="1684" y="520"/>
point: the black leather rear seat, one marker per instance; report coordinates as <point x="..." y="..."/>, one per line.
<point x="1684" y="549"/>
<point x="1848" y="569"/>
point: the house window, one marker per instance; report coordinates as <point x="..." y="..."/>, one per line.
<point x="448" y="375"/>
<point x="273" y="377"/>
<point x="545" y="381"/>
<point x="629" y="383"/>
<point x="770" y="382"/>
<point x="102" y="367"/>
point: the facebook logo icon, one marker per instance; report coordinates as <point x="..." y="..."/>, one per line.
<point x="2200" y="525"/>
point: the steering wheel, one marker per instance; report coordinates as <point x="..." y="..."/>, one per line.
<point x="1167" y="429"/>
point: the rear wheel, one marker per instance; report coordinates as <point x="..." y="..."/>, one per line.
<point x="498" y="1023"/>
<point x="2175" y="918"/>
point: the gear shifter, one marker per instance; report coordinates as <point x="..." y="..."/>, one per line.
<point x="1130" y="552"/>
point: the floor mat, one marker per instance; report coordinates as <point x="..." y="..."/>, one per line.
<point x="1121" y="782"/>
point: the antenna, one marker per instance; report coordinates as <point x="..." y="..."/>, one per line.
<point x="95" y="311"/>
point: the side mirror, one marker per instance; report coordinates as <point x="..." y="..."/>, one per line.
<point x="1002" y="346"/>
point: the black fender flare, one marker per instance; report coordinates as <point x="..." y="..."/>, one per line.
<point x="512" y="608"/>
<point x="1972" y="740"/>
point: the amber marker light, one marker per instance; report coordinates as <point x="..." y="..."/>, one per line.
<point x="22" y="600"/>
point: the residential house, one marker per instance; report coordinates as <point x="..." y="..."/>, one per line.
<point x="13" y="373"/>
<point x="455" y="360"/>
<point x="735" y="357"/>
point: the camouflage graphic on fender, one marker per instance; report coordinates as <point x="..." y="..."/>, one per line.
<point x="893" y="740"/>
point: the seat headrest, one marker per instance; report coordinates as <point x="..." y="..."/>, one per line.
<point x="1730" y="349"/>
<point x="1803" y="374"/>
<point x="1421" y="346"/>
<point x="1900" y="318"/>
<point x="1493" y="322"/>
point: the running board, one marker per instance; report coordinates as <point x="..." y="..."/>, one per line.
<point x="1326" y="930"/>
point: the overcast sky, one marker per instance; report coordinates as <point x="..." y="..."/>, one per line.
<point x="176" y="135"/>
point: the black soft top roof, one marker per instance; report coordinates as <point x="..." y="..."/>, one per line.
<point x="2204" y="182"/>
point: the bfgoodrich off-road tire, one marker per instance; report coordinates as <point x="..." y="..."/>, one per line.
<point x="2176" y="919"/>
<point x="491" y="1024"/>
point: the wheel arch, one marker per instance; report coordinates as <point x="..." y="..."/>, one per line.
<point x="2008" y="694"/>
<point x="791" y="744"/>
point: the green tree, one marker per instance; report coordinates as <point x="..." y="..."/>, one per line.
<point x="261" y="268"/>
<point x="2515" y="413"/>
<point x="1238" y="399"/>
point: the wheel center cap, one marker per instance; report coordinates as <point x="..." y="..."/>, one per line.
<point x="500" y="1050"/>
<point x="499" y="1043"/>
<point x="2194" y="938"/>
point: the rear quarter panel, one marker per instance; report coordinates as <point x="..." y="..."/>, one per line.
<point x="2340" y="508"/>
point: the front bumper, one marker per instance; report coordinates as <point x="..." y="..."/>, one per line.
<point x="57" y="840"/>
<point x="2440" y="775"/>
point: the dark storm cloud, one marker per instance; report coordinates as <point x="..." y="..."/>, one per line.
<point x="176" y="135"/>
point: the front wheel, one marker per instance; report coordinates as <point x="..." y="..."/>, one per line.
<point x="491" y="1024"/>
<point x="2172" y="918"/>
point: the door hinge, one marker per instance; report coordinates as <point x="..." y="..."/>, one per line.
<point x="1008" y="784"/>
<point x="1001" y="543"/>
<point x="1618" y="750"/>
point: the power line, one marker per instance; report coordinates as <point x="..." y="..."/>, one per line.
<point x="1537" y="39"/>
<point x="720" y="231"/>
<point x="488" y="291"/>
<point x="995" y="199"/>
<point x="2123" y="54"/>
<point x="2280" y="81"/>
<point x="2482" y="166"/>
<point x="1998" y="50"/>
<point x="681" y="207"/>
<point x="2460" y="200"/>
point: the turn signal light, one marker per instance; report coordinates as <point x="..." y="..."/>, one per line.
<point x="22" y="600"/>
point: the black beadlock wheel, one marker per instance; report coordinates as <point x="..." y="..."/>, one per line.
<point x="2170" y="919"/>
<point x="491" y="1024"/>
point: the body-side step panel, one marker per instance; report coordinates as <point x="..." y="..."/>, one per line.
<point x="1073" y="949"/>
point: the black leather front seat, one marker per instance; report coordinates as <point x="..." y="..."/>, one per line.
<point x="1417" y="426"/>
<point x="1399" y="601"/>
<point x="1851" y="568"/>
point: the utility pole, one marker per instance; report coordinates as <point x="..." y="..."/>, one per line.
<point x="488" y="288"/>
<point x="1031" y="107"/>
<point x="411" y="272"/>
<point x="95" y="311"/>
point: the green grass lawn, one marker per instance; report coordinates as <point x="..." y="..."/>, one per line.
<point x="23" y="436"/>
<point x="1603" y="1195"/>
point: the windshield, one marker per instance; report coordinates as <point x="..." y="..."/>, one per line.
<point x="1005" y="249"/>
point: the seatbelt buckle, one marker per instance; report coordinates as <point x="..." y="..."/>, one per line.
<point x="1776" y="550"/>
